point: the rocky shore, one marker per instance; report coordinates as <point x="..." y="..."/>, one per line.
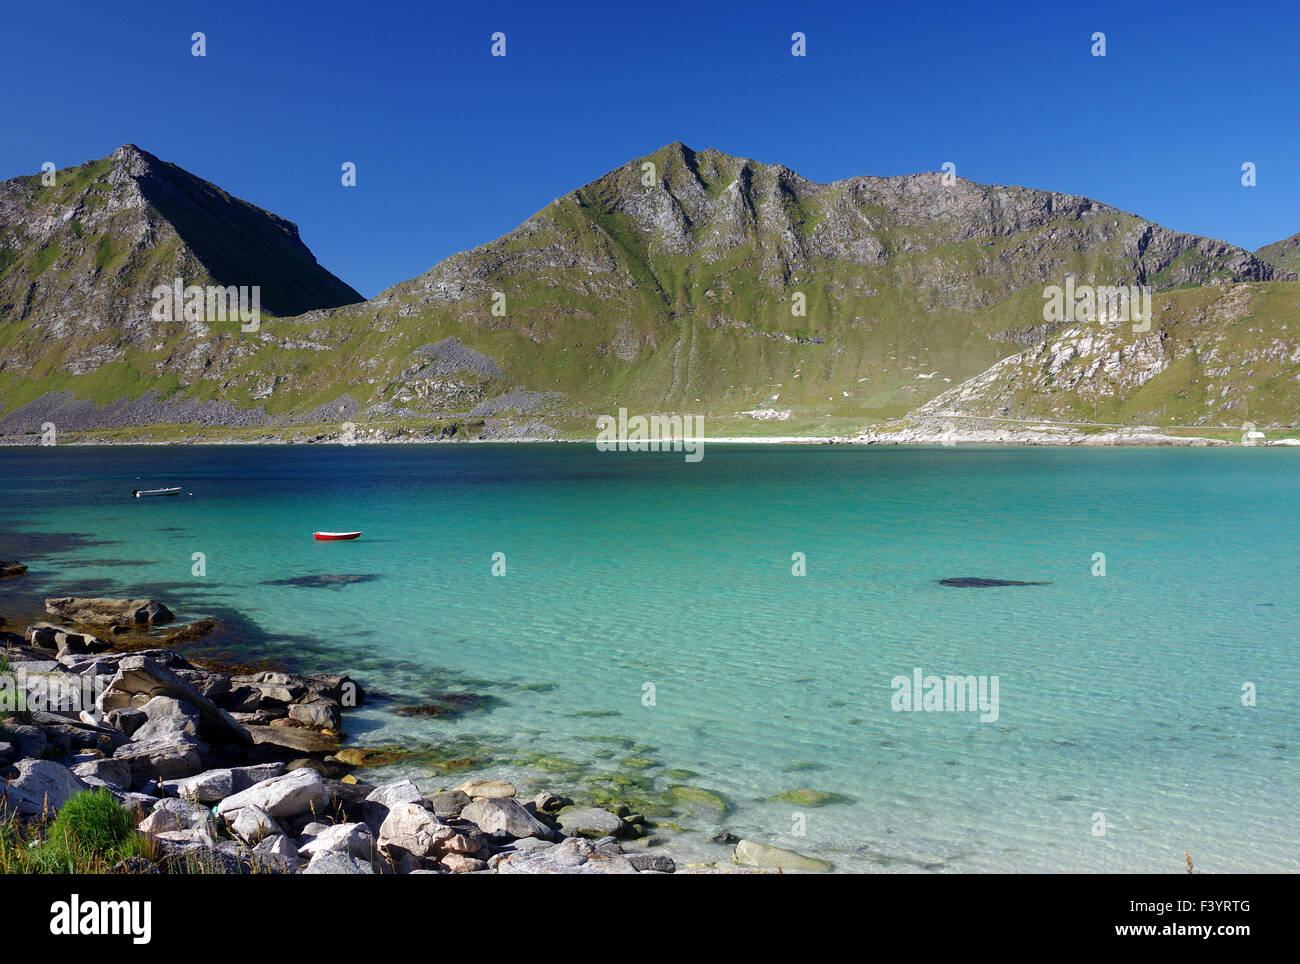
<point x="229" y="772"/>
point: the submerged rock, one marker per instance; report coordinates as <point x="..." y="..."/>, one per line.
<point x="487" y="788"/>
<point x="749" y="853"/>
<point x="699" y="797"/>
<point x="979" y="582"/>
<point x="356" y="756"/>
<point x="187" y="634"/>
<point x="593" y="822"/>
<point x="322" y="581"/>
<point x="810" y="798"/>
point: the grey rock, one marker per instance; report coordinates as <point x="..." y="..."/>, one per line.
<point x="653" y="863"/>
<point x="107" y="772"/>
<point x="242" y="698"/>
<point x="337" y="688"/>
<point x="399" y="791"/>
<point x="189" y="852"/>
<point x="278" y="854"/>
<point x="274" y="688"/>
<point x="68" y="735"/>
<point x="301" y="791"/>
<point x="173" y="816"/>
<point x="547" y="802"/>
<point x="592" y="822"/>
<point x="412" y="829"/>
<point x="139" y="805"/>
<point x="185" y="838"/>
<point x="67" y="642"/>
<point x="126" y="720"/>
<point x="140" y="678"/>
<point x="159" y="760"/>
<point x="576" y="855"/>
<point x="377" y="804"/>
<point x="353" y="839"/>
<point x="505" y="817"/>
<point x="213" y="786"/>
<point x="252" y="824"/>
<point x="530" y="845"/>
<point x="318" y="714"/>
<point x="448" y="804"/>
<point x="41" y="786"/>
<point x="168" y="719"/>
<point x="28" y="741"/>
<point x="338" y="863"/>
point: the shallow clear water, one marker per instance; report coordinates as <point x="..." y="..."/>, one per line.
<point x="1118" y="695"/>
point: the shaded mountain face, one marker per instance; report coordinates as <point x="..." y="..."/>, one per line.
<point x="683" y="281"/>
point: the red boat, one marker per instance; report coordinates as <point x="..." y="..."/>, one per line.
<point x="335" y="536"/>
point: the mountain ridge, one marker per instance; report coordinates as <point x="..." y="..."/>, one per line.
<point x="680" y="281"/>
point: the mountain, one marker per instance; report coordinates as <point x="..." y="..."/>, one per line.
<point x="1283" y="255"/>
<point x="79" y="260"/>
<point x="1218" y="355"/>
<point x="693" y="282"/>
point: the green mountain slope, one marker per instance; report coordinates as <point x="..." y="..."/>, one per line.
<point x="1283" y="255"/>
<point x="673" y="284"/>
<point x="1219" y="355"/>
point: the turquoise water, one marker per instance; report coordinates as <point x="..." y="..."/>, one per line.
<point x="1118" y="695"/>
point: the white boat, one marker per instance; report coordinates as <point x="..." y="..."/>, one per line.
<point x="141" y="493"/>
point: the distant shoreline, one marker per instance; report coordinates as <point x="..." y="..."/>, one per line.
<point x="905" y="439"/>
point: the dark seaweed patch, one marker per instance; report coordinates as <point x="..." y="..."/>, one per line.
<point x="979" y="582"/>
<point x="322" y="580"/>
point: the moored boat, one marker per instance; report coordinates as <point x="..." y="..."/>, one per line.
<point x="141" y="493"/>
<point x="335" y="536"/>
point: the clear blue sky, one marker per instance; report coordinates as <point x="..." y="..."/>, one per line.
<point x="454" y="147"/>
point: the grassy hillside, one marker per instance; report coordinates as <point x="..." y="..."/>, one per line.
<point x="1219" y="355"/>
<point x="683" y="281"/>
